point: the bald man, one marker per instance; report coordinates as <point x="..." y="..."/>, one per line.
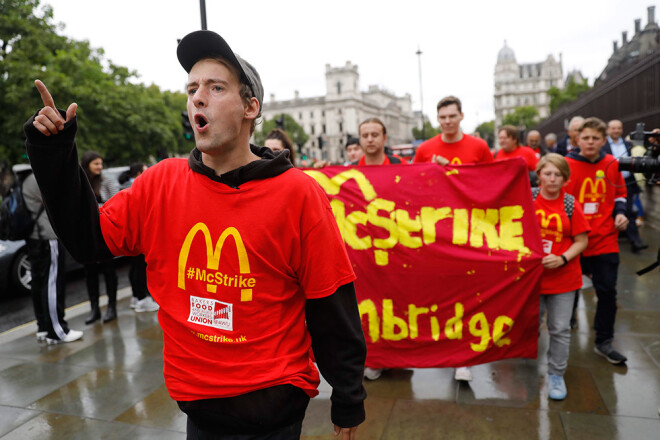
<point x="534" y="142"/>
<point x="569" y="143"/>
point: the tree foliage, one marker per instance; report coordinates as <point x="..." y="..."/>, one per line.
<point x="429" y="131"/>
<point x="122" y="119"/>
<point x="570" y="93"/>
<point x="522" y="117"/>
<point x="487" y="132"/>
<point x="291" y="127"/>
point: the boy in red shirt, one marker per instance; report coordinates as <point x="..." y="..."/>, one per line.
<point x="242" y="306"/>
<point x="599" y="188"/>
<point x="452" y="146"/>
<point x="564" y="234"/>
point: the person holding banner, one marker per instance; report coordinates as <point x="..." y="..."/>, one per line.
<point x="245" y="298"/>
<point x="452" y="146"/>
<point x="600" y="189"/>
<point x="373" y="137"/>
<point x="564" y="233"/>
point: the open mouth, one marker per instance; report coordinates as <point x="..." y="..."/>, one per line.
<point x="200" y="121"/>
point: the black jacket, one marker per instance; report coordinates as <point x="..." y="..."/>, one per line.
<point x="333" y="322"/>
<point x="631" y="183"/>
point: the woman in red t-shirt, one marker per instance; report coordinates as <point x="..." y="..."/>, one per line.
<point x="564" y="238"/>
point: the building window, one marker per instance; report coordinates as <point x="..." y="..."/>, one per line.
<point x="338" y="88"/>
<point x="311" y="114"/>
<point x="323" y="128"/>
<point x="311" y="129"/>
<point x="300" y="116"/>
<point x="341" y="127"/>
<point x="322" y="112"/>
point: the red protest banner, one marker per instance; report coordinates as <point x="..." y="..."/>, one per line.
<point x="447" y="260"/>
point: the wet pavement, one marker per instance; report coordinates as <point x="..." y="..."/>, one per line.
<point x="110" y="384"/>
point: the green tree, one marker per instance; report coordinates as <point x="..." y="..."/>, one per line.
<point x="526" y="117"/>
<point x="291" y="127"/>
<point x="571" y="92"/>
<point x="429" y="131"/>
<point x="122" y="119"/>
<point x="487" y="132"/>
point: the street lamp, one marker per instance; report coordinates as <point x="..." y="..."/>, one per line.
<point x="421" y="94"/>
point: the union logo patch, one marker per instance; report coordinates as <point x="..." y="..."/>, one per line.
<point x="211" y="313"/>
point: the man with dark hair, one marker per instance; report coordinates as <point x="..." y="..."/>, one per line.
<point x="353" y="151"/>
<point x="452" y="146"/>
<point x="239" y="330"/>
<point x="598" y="186"/>
<point x="373" y="137"/>
<point x="510" y="148"/>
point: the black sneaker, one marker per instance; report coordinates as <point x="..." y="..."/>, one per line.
<point x="614" y="357"/>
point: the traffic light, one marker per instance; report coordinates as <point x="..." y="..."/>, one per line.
<point x="187" y="128"/>
<point x="279" y="122"/>
<point x="321" y="142"/>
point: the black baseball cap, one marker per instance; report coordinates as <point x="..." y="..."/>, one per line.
<point x="205" y="44"/>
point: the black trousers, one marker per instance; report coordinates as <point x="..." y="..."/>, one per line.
<point x="48" y="286"/>
<point x="291" y="432"/>
<point x="137" y="275"/>
<point x="274" y="413"/>
<point x="109" y="273"/>
<point x="603" y="269"/>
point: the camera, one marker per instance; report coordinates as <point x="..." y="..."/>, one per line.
<point x="649" y="163"/>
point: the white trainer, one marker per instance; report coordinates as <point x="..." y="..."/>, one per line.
<point x="72" y="336"/>
<point x="372" y="373"/>
<point x="147" y="304"/>
<point x="463" y="373"/>
<point x="41" y="336"/>
<point x="134" y="302"/>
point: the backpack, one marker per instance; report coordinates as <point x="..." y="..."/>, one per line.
<point x="569" y="201"/>
<point x="16" y="220"/>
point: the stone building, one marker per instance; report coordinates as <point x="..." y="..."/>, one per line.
<point x="519" y="85"/>
<point x="337" y="114"/>
<point x="643" y="43"/>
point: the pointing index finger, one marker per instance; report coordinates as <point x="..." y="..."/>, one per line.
<point x="45" y="94"/>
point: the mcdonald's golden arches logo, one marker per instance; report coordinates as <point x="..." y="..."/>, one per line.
<point x="590" y="190"/>
<point x="213" y="278"/>
<point x="545" y="223"/>
<point x="456" y="161"/>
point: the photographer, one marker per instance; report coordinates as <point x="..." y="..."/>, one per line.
<point x="618" y="147"/>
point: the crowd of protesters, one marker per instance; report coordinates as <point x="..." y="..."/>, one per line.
<point x="225" y="168"/>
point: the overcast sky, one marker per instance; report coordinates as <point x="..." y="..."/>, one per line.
<point x="290" y="42"/>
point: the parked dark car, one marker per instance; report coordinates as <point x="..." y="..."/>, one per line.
<point x="14" y="267"/>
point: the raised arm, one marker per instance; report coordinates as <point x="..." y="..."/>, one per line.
<point x="70" y="202"/>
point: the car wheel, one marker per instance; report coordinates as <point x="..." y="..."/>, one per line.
<point x="21" y="272"/>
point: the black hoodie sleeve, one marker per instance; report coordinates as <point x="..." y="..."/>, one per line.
<point x="340" y="351"/>
<point x="70" y="202"/>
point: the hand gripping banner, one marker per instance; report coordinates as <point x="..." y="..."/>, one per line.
<point x="448" y="260"/>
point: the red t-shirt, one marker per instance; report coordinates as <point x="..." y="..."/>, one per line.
<point x="557" y="232"/>
<point x="468" y="150"/>
<point x="524" y="152"/>
<point x="231" y="270"/>
<point x="386" y="161"/>
<point x="596" y="186"/>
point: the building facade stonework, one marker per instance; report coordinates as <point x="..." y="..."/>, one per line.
<point x="336" y="115"/>
<point x="521" y="85"/>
